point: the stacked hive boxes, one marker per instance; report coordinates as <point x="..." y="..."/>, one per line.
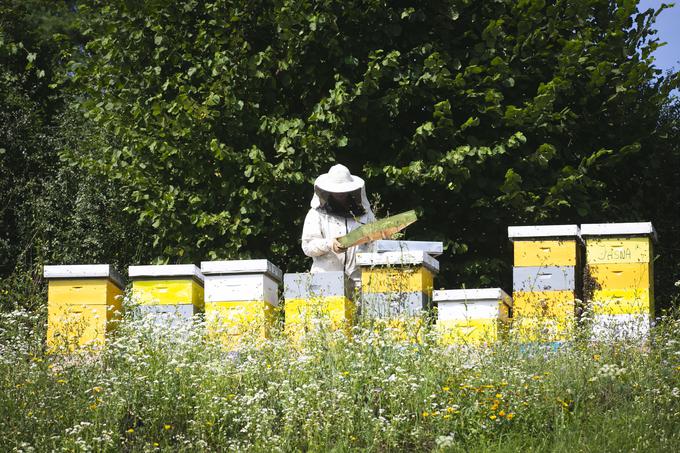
<point x="169" y="294"/>
<point x="83" y="303"/>
<point x="240" y="297"/>
<point x="396" y="284"/>
<point x="619" y="282"/>
<point x="472" y="316"/>
<point x="545" y="285"/>
<point x="311" y="298"/>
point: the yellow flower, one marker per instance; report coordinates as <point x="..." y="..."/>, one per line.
<point x="596" y="357"/>
<point x="510" y="416"/>
<point x="93" y="406"/>
<point x="536" y="377"/>
<point x="492" y="417"/>
<point x="446" y="416"/>
<point x="167" y="427"/>
<point x="446" y="389"/>
<point x="352" y="438"/>
<point x="499" y="396"/>
<point x="425" y="414"/>
<point x="61" y="381"/>
<point x="345" y="373"/>
<point x="156" y="444"/>
<point x="96" y="389"/>
<point x="501" y="414"/>
<point x="131" y="430"/>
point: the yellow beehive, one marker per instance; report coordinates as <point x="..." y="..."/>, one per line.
<point x="546" y="283"/>
<point x="240" y="299"/>
<point x="396" y="284"/>
<point x="174" y="284"/>
<point x="472" y="316"/>
<point x="619" y="280"/>
<point x="83" y="305"/>
<point x="317" y="300"/>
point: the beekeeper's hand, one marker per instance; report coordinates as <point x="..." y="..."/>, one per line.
<point x="337" y="247"/>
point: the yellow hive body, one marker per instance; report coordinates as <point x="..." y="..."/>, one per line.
<point x="81" y="312"/>
<point x="620" y="275"/>
<point x="470" y="331"/>
<point x="176" y="291"/>
<point x="545" y="252"/>
<point x="304" y="315"/>
<point x="622" y="301"/>
<point x="544" y="304"/>
<point x="233" y="321"/>
<point x="618" y="250"/>
<point x="391" y="279"/>
<point x="543" y="329"/>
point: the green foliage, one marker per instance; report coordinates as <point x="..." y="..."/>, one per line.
<point x="478" y="114"/>
<point x="146" y="131"/>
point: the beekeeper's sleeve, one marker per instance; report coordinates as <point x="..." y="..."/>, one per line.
<point x="313" y="241"/>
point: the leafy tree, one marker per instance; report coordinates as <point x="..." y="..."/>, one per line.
<point x="478" y="114"/>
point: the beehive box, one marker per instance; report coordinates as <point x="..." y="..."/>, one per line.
<point x="472" y="316"/>
<point x="619" y="277"/>
<point x="179" y="285"/>
<point x="546" y="281"/>
<point x="395" y="284"/>
<point x="432" y="248"/>
<point x="240" y="297"/>
<point x="311" y="299"/>
<point x="83" y="304"/>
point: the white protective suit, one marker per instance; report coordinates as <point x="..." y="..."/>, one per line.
<point x="321" y="228"/>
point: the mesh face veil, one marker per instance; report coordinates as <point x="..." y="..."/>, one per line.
<point x="345" y="204"/>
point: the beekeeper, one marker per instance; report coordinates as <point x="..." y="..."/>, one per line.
<point x="339" y="205"/>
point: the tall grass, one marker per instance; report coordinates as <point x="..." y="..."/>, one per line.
<point x="153" y="389"/>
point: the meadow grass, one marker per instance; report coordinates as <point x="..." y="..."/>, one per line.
<point x="157" y="389"/>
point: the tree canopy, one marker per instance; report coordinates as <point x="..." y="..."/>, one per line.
<point x="209" y="121"/>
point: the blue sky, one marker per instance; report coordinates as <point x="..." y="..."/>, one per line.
<point x="668" y="27"/>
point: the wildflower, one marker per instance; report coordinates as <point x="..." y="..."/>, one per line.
<point x="446" y="416"/>
<point x="536" y="377"/>
<point x="510" y="416"/>
<point x="167" y="427"/>
<point x="499" y="395"/>
<point x="131" y="430"/>
<point x="345" y="373"/>
<point x="501" y="414"/>
<point x="446" y="389"/>
<point x="61" y="381"/>
<point x="352" y="438"/>
<point x="93" y="406"/>
<point x="492" y="417"/>
<point x="96" y="389"/>
<point x="156" y="444"/>
<point x="596" y="357"/>
<point x="425" y="414"/>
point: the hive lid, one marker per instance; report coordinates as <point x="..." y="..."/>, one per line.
<point x="619" y="229"/>
<point x="241" y="267"/>
<point x="432" y="248"/>
<point x="83" y="271"/>
<point x="166" y="270"/>
<point x="471" y="295"/>
<point x="398" y="259"/>
<point x="542" y="231"/>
